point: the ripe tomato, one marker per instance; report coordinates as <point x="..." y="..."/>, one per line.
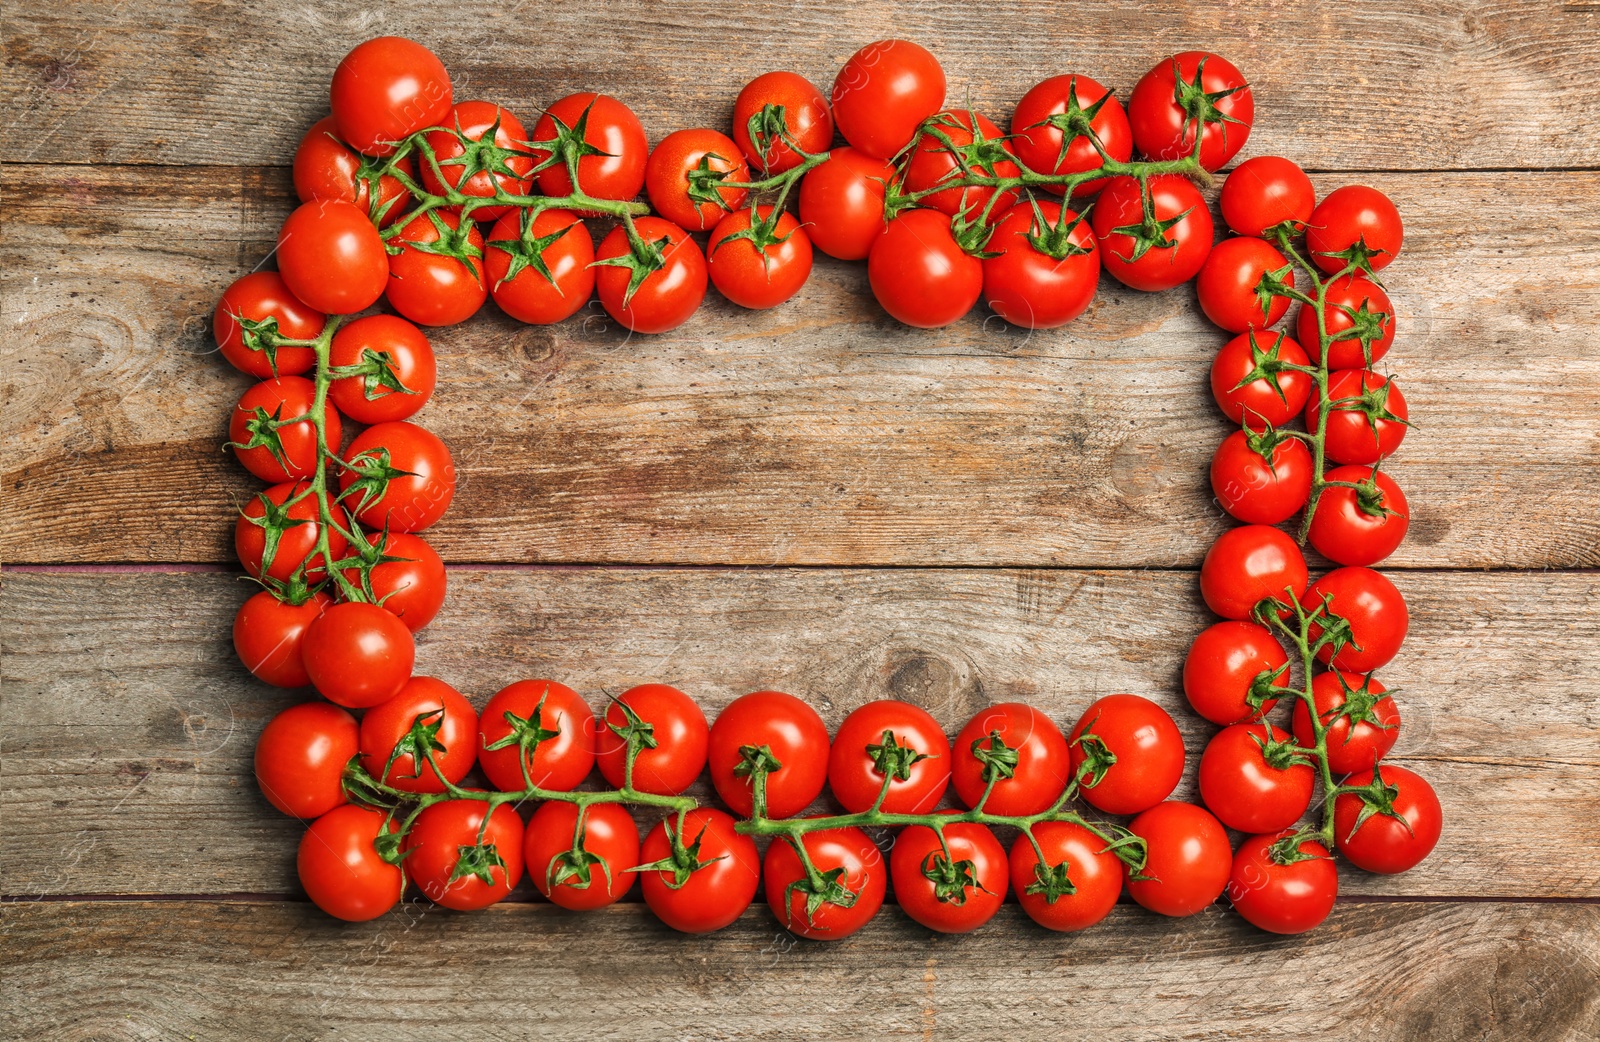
<point x="451" y="728"/>
<point x="666" y="178"/>
<point x="761" y="277"/>
<point x="671" y="291"/>
<point x="1263" y="193"/>
<point x="919" y="273"/>
<point x="1190" y="95"/>
<point x="1288" y="899"/>
<point x="1227" y="663"/>
<point x="300" y="758"/>
<point x="1251" y="779"/>
<point x="586" y="877"/>
<point x="894" y="740"/>
<point x="489" y="162"/>
<point x="271" y="448"/>
<point x="611" y="166"/>
<point x="983" y="151"/>
<point x="391" y="370"/>
<point x="1361" y="721"/>
<point x="1045" y="269"/>
<point x="1359" y="320"/>
<point x="704" y="898"/>
<point x="1354" y="223"/>
<point x="1366" y="417"/>
<point x="805" y="120"/>
<point x="675" y="739"/>
<point x="1261" y="479"/>
<point x="358" y="655"/>
<point x="1374" y="614"/>
<point x="1056" y="123"/>
<point x="460" y="863"/>
<point x="1248" y="564"/>
<point x="775" y="727"/>
<point x="1080" y="880"/>
<point x="266" y="635"/>
<point x="1236" y="284"/>
<point x="539" y="270"/>
<point x="561" y="735"/>
<point x="954" y="887"/>
<point x="1392" y="833"/>
<point x="1020" y="750"/>
<point x="260" y="303"/>
<point x="387" y="89"/>
<point x="327" y="168"/>
<point x="1253" y="384"/>
<point x="1359" y="525"/>
<point x="330" y="257"/>
<point x="841" y="203"/>
<point x="1189" y="859"/>
<point x="1158" y="250"/>
<point x="402" y="477"/>
<point x="340" y="868"/>
<point x="273" y="542"/>
<point x="883" y="94"/>
<point x="434" y="288"/>
<point x="853" y="868"/>
<point x="408" y="578"/>
<point x="1143" y="746"/>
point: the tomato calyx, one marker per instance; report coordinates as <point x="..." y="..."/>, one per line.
<point x="819" y="887"/>
<point x="526" y="732"/>
<point x="480" y="155"/>
<point x="1286" y="851"/>
<point x="976" y="158"/>
<point x="1264" y="688"/>
<point x="1200" y="105"/>
<point x="762" y="233"/>
<point x="1266" y="365"/>
<point x="1357" y="256"/>
<point x="1377" y="797"/>
<point x="455" y="243"/>
<point x="637" y="732"/>
<point x="1367" y="327"/>
<point x="1358" y="704"/>
<point x="973" y="233"/>
<point x="1055" y="240"/>
<point x="569" y="145"/>
<point x="1076" y="122"/>
<point x="293" y="591"/>
<point x="261" y="334"/>
<point x="419" y="742"/>
<point x="1051" y="882"/>
<point x="377" y="372"/>
<point x="369" y="554"/>
<point x="1150" y="233"/>
<point x="1336" y="634"/>
<point x="273" y="522"/>
<point x="643" y="259"/>
<point x="373" y="472"/>
<point x="755" y="759"/>
<point x="1372" y="403"/>
<point x="769" y="127"/>
<point x="1369" y="497"/>
<point x="574" y="868"/>
<point x="999" y="760"/>
<point x="1265" y="442"/>
<point x="1273" y="285"/>
<point x="1278" y="754"/>
<point x="263" y="430"/>
<point x="477" y="860"/>
<point x="1097" y="758"/>
<point x="952" y="879"/>
<point x="893" y="760"/>
<point x="527" y="250"/>
<point x="682" y="860"/>
<point x="706" y="184"/>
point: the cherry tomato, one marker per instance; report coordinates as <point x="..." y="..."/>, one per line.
<point x="1359" y="525"/>
<point x="271" y="448"/>
<point x="266" y="635"/>
<point x="666" y="177"/>
<point x="1374" y="611"/>
<point x="1388" y="842"/>
<point x="758" y="278"/>
<point x="1361" y="721"/>
<point x="387" y="89"/>
<point x="1263" y="193"/>
<point x="1056" y="123"/>
<point x="674" y="752"/>
<point x="1020" y="750"/>
<point x="327" y="168"/>
<point x="273" y="542"/>
<point x="805" y="120"/>
<point x="391" y="367"/>
<point x="1164" y="249"/>
<point x="1261" y="479"/>
<point x="714" y="894"/>
<point x="453" y="728"/>
<point x="1354" y="223"/>
<point x="1143" y="742"/>
<point x="984" y="151"/>
<point x="1226" y="663"/>
<point x="1189" y="859"/>
<point x="518" y="245"/>
<point x="403" y="478"/>
<point x="330" y="257"/>
<point x="841" y="203"/>
<point x="1252" y="382"/>
<point x="954" y="887"/>
<point x="599" y="873"/>
<point x="614" y="167"/>
<point x="1249" y="788"/>
<point x="1188" y="95"/>
<point x="564" y="753"/>
<point x="883" y="94"/>
<point x="919" y="274"/>
<point x="669" y="294"/>
<point x="1046" y="268"/>
<point x="437" y="289"/>
<point x="1236" y="284"/>
<point x="777" y="727"/>
<point x="849" y="860"/>
<point x="300" y="758"/>
<point x="1080" y="881"/>
<point x="408" y="580"/>
<point x="1288" y="899"/>
<point x="258" y="303"/>
<point x="1366" y="417"/>
<point x="491" y="162"/>
<point x="1248" y="564"/>
<point x="890" y="739"/>
<point x="358" y="655"/>
<point x="460" y="863"/>
<point x="341" y="870"/>
<point x="1359" y="320"/>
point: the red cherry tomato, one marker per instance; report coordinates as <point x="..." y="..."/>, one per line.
<point x="1248" y="564"/>
<point x="301" y="755"/>
<point x="1046" y="269"/>
<point x="330" y="257"/>
<point x="1052" y="127"/>
<point x="408" y="580"/>
<point x="1265" y="192"/>
<point x="712" y="895"/>
<point x="358" y="655"/>
<point x="596" y="875"/>
<point x="615" y="167"/>
<point x="666" y="177"/>
<point x="517" y="245"/>
<point x="289" y="535"/>
<point x="1361" y="721"/>
<point x="564" y="753"/>
<point x="883" y="94"/>
<point x="1287" y="899"/>
<point x="1358" y="318"/>
<point x="391" y="366"/>
<point x="953" y="887"/>
<point x="1261" y="479"/>
<point x="1252" y="382"/>
<point x="851" y="862"/>
<point x="919" y="274"/>
<point x="1398" y="832"/>
<point x="669" y="295"/>
<point x="259" y="303"/>
<point x="1236" y="282"/>
<point x="340" y="868"/>
<point x="1226" y="663"/>
<point x="758" y="278"/>
<point x="805" y="120"/>
<point x="497" y="136"/>
<point x="1164" y="249"/>
<point x="1359" y="525"/>
<point x="1189" y="859"/>
<point x="387" y="89"/>
<point x="386" y="733"/>
<point x="894" y="740"/>
<point x="401" y="477"/>
<point x="437" y="289"/>
<point x="983" y="150"/>
<point x="841" y="203"/>
<point x="1249" y="788"/>
<point x="1367" y="417"/>
<point x="1020" y="750"/>
<point x="266" y="443"/>
<point x="1374" y="611"/>
<point x="671" y="720"/>
<point x="1073" y="857"/>
<point x="781" y="728"/>
<point x="1354" y="222"/>
<point x="459" y="862"/>
<point x="1190" y="95"/>
<point x="1146" y="747"/>
<point x="266" y="635"/>
<point x="327" y="168"/>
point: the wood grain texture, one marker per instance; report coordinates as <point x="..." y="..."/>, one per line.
<point x="1363" y="86"/>
<point x="818" y="433"/>
<point x="129" y="724"/>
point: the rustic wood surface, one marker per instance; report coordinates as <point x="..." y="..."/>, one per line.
<point x="614" y="489"/>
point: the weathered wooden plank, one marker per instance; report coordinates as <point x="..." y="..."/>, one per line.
<point x="279" y="970"/>
<point x="819" y="433"/>
<point x="129" y="726"/>
<point x="209" y="94"/>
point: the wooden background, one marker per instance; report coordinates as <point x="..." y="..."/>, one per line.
<point x="812" y="499"/>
